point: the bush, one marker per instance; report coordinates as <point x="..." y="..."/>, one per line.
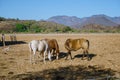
<point x="20" y="28"/>
<point x="67" y="29"/>
<point x="36" y="29"/>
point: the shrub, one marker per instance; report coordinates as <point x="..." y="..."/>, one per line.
<point x="20" y="28"/>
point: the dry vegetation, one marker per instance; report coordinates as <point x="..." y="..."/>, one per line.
<point x="104" y="53"/>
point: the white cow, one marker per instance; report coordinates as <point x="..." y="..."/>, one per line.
<point x="41" y="46"/>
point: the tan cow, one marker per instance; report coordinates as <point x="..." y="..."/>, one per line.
<point x="53" y="45"/>
<point x="76" y="44"/>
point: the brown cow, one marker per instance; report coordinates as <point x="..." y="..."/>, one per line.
<point x="76" y="44"/>
<point x="53" y="45"/>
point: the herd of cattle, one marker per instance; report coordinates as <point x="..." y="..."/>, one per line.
<point x="50" y="47"/>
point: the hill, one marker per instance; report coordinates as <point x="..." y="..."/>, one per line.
<point x="79" y="22"/>
<point x="32" y="26"/>
<point x="66" y="20"/>
<point x="98" y="19"/>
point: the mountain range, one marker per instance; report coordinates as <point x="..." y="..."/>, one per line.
<point x="76" y="22"/>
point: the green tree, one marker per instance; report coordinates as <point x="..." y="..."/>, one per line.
<point x="2" y="19"/>
<point x="20" y="28"/>
<point x="67" y="29"/>
<point x="28" y="24"/>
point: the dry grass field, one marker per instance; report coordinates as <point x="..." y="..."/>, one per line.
<point x="104" y="53"/>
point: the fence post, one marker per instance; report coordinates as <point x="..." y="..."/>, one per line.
<point x="11" y="38"/>
<point x="3" y="40"/>
<point x="14" y="37"/>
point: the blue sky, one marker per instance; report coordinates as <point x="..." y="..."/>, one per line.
<point x="43" y="9"/>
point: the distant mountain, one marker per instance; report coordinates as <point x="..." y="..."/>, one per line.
<point x="100" y="20"/>
<point x="116" y="20"/>
<point x="74" y="21"/>
<point x="66" y="20"/>
<point x="113" y="19"/>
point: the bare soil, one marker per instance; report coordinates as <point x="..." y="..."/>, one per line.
<point x="104" y="53"/>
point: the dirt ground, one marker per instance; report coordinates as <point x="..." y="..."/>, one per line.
<point x="104" y="52"/>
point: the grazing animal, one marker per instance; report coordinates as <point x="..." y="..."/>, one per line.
<point x="76" y="44"/>
<point x="53" y="46"/>
<point x="41" y="46"/>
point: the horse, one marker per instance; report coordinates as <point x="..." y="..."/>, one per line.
<point x="53" y="45"/>
<point x="41" y="46"/>
<point x="76" y="44"/>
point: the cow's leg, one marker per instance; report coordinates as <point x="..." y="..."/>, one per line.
<point x="40" y="55"/>
<point x="44" y="56"/>
<point x="53" y="52"/>
<point x="83" y="54"/>
<point x="34" y="53"/>
<point x="49" y="55"/>
<point x="57" y="55"/>
<point x="87" y="55"/>
<point x="69" y="53"/>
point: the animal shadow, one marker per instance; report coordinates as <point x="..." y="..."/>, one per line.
<point x="62" y="55"/>
<point x="12" y="43"/>
<point x="90" y="55"/>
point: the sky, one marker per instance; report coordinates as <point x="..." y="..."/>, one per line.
<point x="44" y="9"/>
